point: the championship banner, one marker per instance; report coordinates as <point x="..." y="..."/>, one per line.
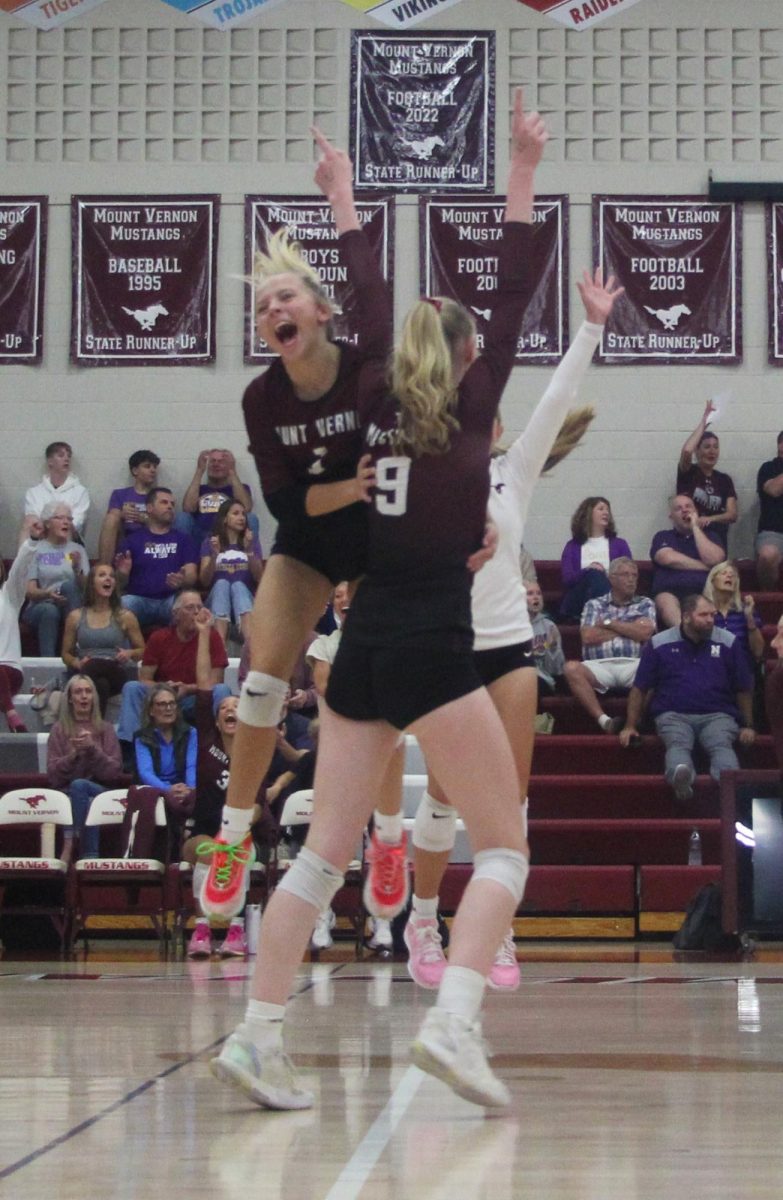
<point x="579" y="14"/>
<point x="459" y="259"/>
<point x="311" y="224"/>
<point x="48" y="14"/>
<point x="22" y="248"/>
<point x="422" y="111"/>
<point x="143" y="280"/>
<point x="223" y="14"/>
<point x="679" y="260"/>
<point x="401" y="14"/>
<point x="774" y="216"/>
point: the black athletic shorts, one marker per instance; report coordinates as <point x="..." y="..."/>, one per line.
<point x="334" y="545"/>
<point x="494" y="664"/>
<point x="406" y="650"/>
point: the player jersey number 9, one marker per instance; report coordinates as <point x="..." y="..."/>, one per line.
<point x="391" y="485"/>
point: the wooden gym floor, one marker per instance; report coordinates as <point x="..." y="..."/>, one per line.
<point x="634" y="1076"/>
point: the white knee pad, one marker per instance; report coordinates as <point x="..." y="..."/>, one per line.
<point x="435" y="827"/>
<point x="261" y="700"/>
<point x="506" y="867"/>
<point x="312" y="879"/>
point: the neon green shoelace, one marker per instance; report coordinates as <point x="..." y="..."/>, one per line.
<point x="234" y="852"/>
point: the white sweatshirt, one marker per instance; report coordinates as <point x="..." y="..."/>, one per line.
<point x="12" y="595"/>
<point x="70" y="492"/>
<point x="499" y="599"/>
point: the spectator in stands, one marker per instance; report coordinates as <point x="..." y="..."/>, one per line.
<point x="585" y="559"/>
<point x="55" y="577"/>
<point x="735" y="612"/>
<point x="547" y="644"/>
<point x="769" y="539"/>
<point x="83" y="758"/>
<point x="614" y="628"/>
<point x="170" y="657"/>
<point x="165" y="749"/>
<point x="773" y="688"/>
<point x="215" y="743"/>
<point x="698" y="685"/>
<point x="12" y="596"/>
<point x="712" y="491"/>
<point x="58" y="484"/>
<point x="682" y="557"/>
<point x="156" y="562"/>
<point x="127" y="511"/>
<point x="101" y="639"/>
<point x="231" y="566"/>
<point x="202" y="501"/>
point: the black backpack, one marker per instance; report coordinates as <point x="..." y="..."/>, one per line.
<point x="702" y="929"/>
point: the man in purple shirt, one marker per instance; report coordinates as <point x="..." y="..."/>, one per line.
<point x="682" y="558"/>
<point x="156" y="562"/>
<point x="699" y="686"/>
<point x="127" y="511"/>
<point x="201" y="501"/>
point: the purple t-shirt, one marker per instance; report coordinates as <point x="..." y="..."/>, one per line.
<point x="129" y="495"/>
<point x="154" y="555"/>
<point x="232" y="563"/>
<point x="210" y="499"/>
<point x="672" y="579"/>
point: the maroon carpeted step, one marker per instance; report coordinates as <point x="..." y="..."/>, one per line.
<point x="600" y="754"/>
<point x="602" y="842"/>
<point x="574" y="890"/>
<point x="570" y="717"/>
<point x="565" y="797"/>
<point x="671" y="889"/>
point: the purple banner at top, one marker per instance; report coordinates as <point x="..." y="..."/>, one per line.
<point x="459" y="259"/>
<point x="143" y="280"/>
<point x="422" y="111"/>
<point x="774" y="215"/>
<point x="22" y="250"/>
<point x="679" y="260"/>
<point x="311" y="224"/>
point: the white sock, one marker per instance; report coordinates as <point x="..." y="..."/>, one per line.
<point x="604" y="721"/>
<point x="240" y="921"/>
<point x="264" y="1024"/>
<point x="424" y="908"/>
<point x="461" y="992"/>
<point x="388" y="829"/>
<point x="235" y="823"/>
<point x="202" y="921"/>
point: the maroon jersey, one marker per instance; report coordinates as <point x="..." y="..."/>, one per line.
<point x="429" y="513"/>
<point x="296" y="442"/>
<point x="212" y="765"/>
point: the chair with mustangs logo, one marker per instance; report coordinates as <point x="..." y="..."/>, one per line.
<point x="33" y="878"/>
<point x="116" y="885"/>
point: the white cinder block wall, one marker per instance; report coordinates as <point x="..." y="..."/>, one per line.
<point x="133" y="97"/>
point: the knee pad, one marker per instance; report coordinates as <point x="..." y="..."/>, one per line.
<point x="506" y="867"/>
<point x="435" y="827"/>
<point x="261" y="700"/>
<point x="312" y="879"/>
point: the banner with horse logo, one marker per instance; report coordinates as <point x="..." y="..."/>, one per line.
<point x="422" y="111"/>
<point x="679" y="260"/>
<point x="311" y="224"/>
<point x="143" y="280"/>
<point x="459" y="259"/>
<point x="22" y="250"/>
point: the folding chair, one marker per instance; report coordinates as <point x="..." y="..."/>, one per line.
<point x="29" y="820"/>
<point x="117" y="884"/>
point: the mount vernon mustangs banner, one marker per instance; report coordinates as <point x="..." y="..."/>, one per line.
<point x="47" y="14"/>
<point x="311" y="224"/>
<point x="422" y="111"/>
<point x="458" y="259"/>
<point x="775" y="281"/>
<point x="143" y="280"/>
<point x="22" y="248"/>
<point x="401" y="14"/>
<point x="223" y="14"/>
<point x="678" y="259"/>
<point x="579" y="14"/>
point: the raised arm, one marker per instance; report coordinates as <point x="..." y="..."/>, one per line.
<point x="190" y="499"/>
<point x="689" y="446"/>
<point x="334" y="176"/>
<point x="528" y="138"/>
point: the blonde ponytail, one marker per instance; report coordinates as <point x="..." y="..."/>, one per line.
<point x="422" y="375"/>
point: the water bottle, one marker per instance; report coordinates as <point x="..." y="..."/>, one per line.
<point x="252" y="926"/>
<point x="694" y="849"/>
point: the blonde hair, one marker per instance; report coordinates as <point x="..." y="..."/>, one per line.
<point x="422" y="375"/>
<point x="67" y="723"/>
<point x="709" y="587"/>
<point x="284" y="257"/>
